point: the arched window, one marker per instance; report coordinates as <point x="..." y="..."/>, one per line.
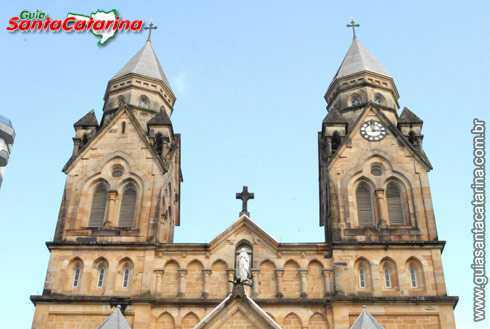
<point x="143" y="102"/>
<point x="128" y="205"/>
<point x="378" y="100"/>
<point x="97" y="211"/>
<point x="336" y="140"/>
<point x="387" y="277"/>
<point x="123" y="127"/>
<point x="365" y="215"/>
<point x="120" y="101"/>
<point x="395" y="204"/>
<point x="413" y="277"/>
<point x="411" y="137"/>
<point x="125" y="282"/>
<point x="76" y="277"/>
<point x="100" y="281"/>
<point x="362" y="277"/>
<point x="159" y="143"/>
<point x="356" y="100"/>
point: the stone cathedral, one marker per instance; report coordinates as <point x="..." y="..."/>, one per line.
<point x="113" y="262"/>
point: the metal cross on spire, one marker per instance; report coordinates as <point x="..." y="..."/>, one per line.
<point x="244" y="196"/>
<point x="151" y="27"/>
<point x="353" y="25"/>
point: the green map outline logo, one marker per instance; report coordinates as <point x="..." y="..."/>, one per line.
<point x="99" y="43"/>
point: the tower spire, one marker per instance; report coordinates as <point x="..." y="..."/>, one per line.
<point x="352" y="24"/>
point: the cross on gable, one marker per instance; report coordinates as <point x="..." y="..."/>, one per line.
<point x="244" y="196"/>
<point x="151" y="27"/>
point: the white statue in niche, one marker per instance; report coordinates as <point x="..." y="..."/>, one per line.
<point x="243" y="262"/>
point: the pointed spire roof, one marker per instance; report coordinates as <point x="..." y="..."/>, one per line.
<point x="146" y="63"/>
<point x="88" y="120"/>
<point x="366" y="321"/>
<point x="334" y="116"/>
<point x="160" y="119"/>
<point x="408" y="116"/>
<point x="115" y="321"/>
<point x="358" y="59"/>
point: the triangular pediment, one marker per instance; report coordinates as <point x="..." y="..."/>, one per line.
<point x="237" y="309"/>
<point x="109" y="137"/>
<point x="243" y="226"/>
<point x="394" y="136"/>
<point x="115" y="321"/>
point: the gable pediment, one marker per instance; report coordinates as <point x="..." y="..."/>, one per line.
<point x="237" y="310"/>
<point x="110" y="139"/>
<point x="394" y="137"/>
<point x="244" y="229"/>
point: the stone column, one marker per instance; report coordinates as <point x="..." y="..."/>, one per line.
<point x="182" y="274"/>
<point x="279" y="273"/>
<point x="329" y="146"/>
<point x="327" y="279"/>
<point x="110" y="219"/>
<point x="303" y="272"/>
<point x="255" y="280"/>
<point x="158" y="282"/>
<point x="380" y="204"/>
<point x="77" y="143"/>
<point x="205" y="289"/>
<point x="231" y="277"/>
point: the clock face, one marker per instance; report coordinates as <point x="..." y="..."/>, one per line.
<point x="373" y="130"/>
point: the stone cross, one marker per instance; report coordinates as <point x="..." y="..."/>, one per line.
<point x="353" y="25"/>
<point x="152" y="27"/>
<point x="244" y="196"/>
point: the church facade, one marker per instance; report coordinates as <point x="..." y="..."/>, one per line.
<point x="113" y="246"/>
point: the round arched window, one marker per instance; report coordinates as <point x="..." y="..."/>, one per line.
<point x="356" y="100"/>
<point x="143" y="102"/>
<point x="120" y="101"/>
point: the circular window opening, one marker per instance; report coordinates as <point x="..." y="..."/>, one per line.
<point x="117" y="171"/>
<point x="376" y="171"/>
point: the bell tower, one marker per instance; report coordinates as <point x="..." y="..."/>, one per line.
<point x="373" y="169"/>
<point x="123" y="178"/>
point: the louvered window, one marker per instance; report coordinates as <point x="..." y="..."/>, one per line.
<point x="362" y="278"/>
<point x="387" y="277"/>
<point x="99" y="201"/>
<point x="395" y="205"/>
<point x="128" y="205"/>
<point x="364" y="205"/>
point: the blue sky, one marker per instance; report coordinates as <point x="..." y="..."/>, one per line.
<point x="249" y="79"/>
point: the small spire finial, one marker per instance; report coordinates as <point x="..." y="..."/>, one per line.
<point x="151" y="27"/>
<point x="353" y="25"/>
